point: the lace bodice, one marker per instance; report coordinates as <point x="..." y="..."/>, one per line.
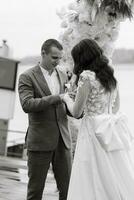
<point x="98" y="101"/>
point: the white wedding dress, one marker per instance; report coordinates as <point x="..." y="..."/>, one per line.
<point x="103" y="166"/>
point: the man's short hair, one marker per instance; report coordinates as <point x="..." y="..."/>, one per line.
<point x="51" y="43"/>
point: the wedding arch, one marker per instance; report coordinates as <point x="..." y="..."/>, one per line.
<point x="96" y="19"/>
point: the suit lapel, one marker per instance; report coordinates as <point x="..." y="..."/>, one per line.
<point x="41" y="80"/>
<point x="61" y="80"/>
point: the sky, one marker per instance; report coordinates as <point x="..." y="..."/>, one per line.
<point x="25" y="24"/>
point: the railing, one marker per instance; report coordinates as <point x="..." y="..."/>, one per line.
<point x="15" y="145"/>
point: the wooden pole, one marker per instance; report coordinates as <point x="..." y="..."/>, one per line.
<point x="3" y="136"/>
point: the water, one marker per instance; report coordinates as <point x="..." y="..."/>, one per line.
<point x="125" y="77"/>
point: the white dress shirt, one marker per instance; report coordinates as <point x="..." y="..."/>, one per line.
<point x="52" y="81"/>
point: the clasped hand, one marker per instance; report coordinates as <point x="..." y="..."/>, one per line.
<point x="70" y="90"/>
<point x="68" y="95"/>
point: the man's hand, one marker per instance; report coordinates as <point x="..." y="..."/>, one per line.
<point x="62" y="96"/>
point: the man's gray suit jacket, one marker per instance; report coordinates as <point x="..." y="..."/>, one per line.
<point x="46" y="112"/>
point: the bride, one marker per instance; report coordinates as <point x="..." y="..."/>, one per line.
<point x="103" y="167"/>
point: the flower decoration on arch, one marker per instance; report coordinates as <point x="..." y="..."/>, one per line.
<point x="94" y="19"/>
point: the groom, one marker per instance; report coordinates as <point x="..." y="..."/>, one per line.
<point x="41" y="89"/>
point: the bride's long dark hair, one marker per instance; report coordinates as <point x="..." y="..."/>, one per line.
<point x="87" y="55"/>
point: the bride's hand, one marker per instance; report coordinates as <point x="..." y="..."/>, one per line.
<point x="65" y="97"/>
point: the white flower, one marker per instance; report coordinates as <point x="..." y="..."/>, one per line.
<point x="72" y="15"/>
<point x="61" y="12"/>
<point x="64" y="24"/>
<point x="73" y="6"/>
